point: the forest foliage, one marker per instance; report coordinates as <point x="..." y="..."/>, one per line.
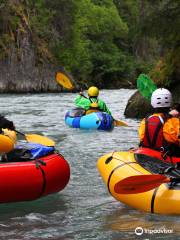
<point x="102" y="42"/>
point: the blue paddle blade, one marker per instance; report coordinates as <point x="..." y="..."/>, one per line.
<point x="146" y="86"/>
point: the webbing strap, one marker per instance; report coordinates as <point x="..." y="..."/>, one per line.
<point x="147" y="132"/>
<point x="152" y="142"/>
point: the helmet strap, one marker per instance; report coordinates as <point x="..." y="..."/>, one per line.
<point x="92" y="97"/>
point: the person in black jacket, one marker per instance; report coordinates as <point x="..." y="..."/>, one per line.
<point x="5" y="123"/>
<point x="175" y="110"/>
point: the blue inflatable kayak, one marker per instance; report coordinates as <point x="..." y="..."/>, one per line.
<point x="76" y="118"/>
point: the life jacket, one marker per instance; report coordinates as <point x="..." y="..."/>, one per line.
<point x="171" y="130"/>
<point x="94" y="107"/>
<point x="153" y="136"/>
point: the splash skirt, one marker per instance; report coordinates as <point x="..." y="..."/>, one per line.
<point x="166" y="157"/>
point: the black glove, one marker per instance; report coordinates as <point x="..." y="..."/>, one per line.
<point x="4" y="123"/>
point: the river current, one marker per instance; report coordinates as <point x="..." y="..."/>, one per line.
<point x="84" y="209"/>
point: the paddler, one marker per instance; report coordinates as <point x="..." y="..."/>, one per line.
<point x="91" y="103"/>
<point x="161" y="130"/>
<point x="5" y="123"/>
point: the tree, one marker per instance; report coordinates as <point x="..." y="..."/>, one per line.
<point x="164" y="22"/>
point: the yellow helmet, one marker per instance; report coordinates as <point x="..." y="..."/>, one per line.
<point x="93" y="91"/>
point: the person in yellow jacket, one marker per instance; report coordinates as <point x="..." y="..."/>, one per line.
<point x="161" y="131"/>
<point x="91" y="103"/>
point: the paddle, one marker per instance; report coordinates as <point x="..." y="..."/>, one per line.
<point x="65" y="81"/>
<point x="118" y="123"/>
<point x="142" y="183"/>
<point x="146" y="86"/>
<point x="37" y="139"/>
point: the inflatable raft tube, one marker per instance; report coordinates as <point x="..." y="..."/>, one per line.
<point x="97" y="120"/>
<point x="117" y="166"/>
<point x="30" y="180"/>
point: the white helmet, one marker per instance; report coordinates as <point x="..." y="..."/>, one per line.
<point x="160" y="98"/>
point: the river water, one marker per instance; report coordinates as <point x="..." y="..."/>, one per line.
<point x="84" y="209"/>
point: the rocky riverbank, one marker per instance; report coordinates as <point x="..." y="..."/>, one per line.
<point x="20" y="72"/>
<point x="25" y="77"/>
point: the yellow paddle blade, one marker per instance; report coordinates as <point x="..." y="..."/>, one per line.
<point x="39" y="139"/>
<point x="64" y="80"/>
<point x="118" y="123"/>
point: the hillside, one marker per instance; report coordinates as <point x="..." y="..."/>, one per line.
<point x="106" y="43"/>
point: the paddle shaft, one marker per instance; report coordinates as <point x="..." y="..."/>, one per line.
<point x="81" y="94"/>
<point x="20" y="133"/>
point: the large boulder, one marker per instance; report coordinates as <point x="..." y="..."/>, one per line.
<point x="139" y="107"/>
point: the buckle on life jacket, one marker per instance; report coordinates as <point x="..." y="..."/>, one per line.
<point x="162" y="150"/>
<point x="93" y="108"/>
<point x="94" y="105"/>
<point x="164" y="153"/>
